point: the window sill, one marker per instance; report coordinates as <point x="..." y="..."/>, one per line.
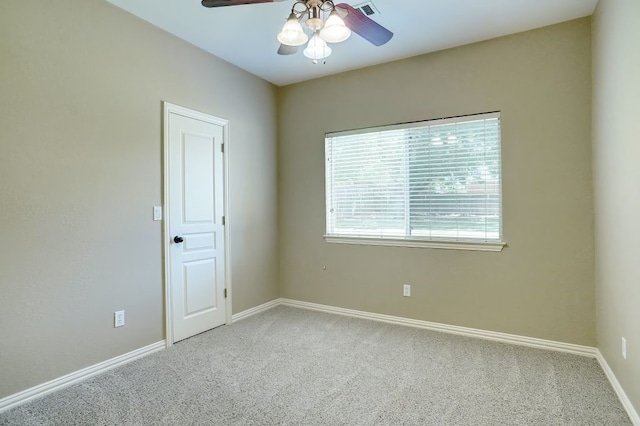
<point x="390" y="242"/>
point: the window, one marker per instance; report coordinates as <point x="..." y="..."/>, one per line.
<point x="430" y="183"/>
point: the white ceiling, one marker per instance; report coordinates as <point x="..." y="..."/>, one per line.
<point x="246" y="35"/>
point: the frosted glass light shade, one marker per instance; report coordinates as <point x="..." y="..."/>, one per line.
<point x="315" y="23"/>
<point x="335" y="31"/>
<point x="292" y="33"/>
<point x="317" y="48"/>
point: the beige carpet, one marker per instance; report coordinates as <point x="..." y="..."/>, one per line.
<point x="289" y="366"/>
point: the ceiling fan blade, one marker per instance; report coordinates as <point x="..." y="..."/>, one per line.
<point x="364" y="26"/>
<point x="220" y="3"/>
<point x="287" y="50"/>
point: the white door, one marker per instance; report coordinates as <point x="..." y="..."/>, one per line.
<point x="195" y="207"/>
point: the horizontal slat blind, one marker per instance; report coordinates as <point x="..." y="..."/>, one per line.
<point x="433" y="180"/>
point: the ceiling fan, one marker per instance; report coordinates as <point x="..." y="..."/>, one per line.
<point x="328" y="22"/>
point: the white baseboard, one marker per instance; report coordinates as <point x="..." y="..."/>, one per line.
<point x="64" y="381"/>
<point x="75" y="377"/>
<point x="452" y="329"/>
<point x="488" y="335"/>
<point x="256" y="310"/>
<point x="624" y="399"/>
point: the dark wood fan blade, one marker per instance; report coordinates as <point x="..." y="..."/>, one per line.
<point x="287" y="50"/>
<point x="220" y="3"/>
<point x="364" y="26"/>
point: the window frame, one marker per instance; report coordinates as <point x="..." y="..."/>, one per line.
<point x="415" y="241"/>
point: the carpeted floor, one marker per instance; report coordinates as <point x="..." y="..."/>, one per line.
<point x="290" y="366"/>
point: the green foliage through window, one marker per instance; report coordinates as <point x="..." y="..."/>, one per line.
<point x="433" y="180"/>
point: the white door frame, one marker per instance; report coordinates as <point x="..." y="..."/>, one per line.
<point x="169" y="108"/>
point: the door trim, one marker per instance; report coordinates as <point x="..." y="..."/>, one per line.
<point x="169" y="108"/>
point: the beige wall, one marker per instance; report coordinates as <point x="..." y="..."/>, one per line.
<point x="81" y="85"/>
<point x="616" y="160"/>
<point x="542" y="284"/>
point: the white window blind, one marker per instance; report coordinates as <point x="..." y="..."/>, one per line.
<point x="437" y="180"/>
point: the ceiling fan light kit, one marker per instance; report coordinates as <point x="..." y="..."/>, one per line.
<point x="333" y="30"/>
<point x="328" y="23"/>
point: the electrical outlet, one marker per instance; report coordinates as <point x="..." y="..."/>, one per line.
<point x="624" y="348"/>
<point x="406" y="290"/>
<point x="118" y="319"/>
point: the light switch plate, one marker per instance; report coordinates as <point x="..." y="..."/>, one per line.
<point x="157" y="213"/>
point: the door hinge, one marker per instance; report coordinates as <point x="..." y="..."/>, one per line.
<point x="225" y="293"/>
<point x="224" y="220"/>
<point x="222" y="147"/>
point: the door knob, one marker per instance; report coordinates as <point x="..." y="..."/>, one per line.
<point x="177" y="239"/>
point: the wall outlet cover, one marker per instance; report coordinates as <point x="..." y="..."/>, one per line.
<point x="118" y="319"/>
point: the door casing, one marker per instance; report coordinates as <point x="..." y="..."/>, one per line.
<point x="169" y="108"/>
